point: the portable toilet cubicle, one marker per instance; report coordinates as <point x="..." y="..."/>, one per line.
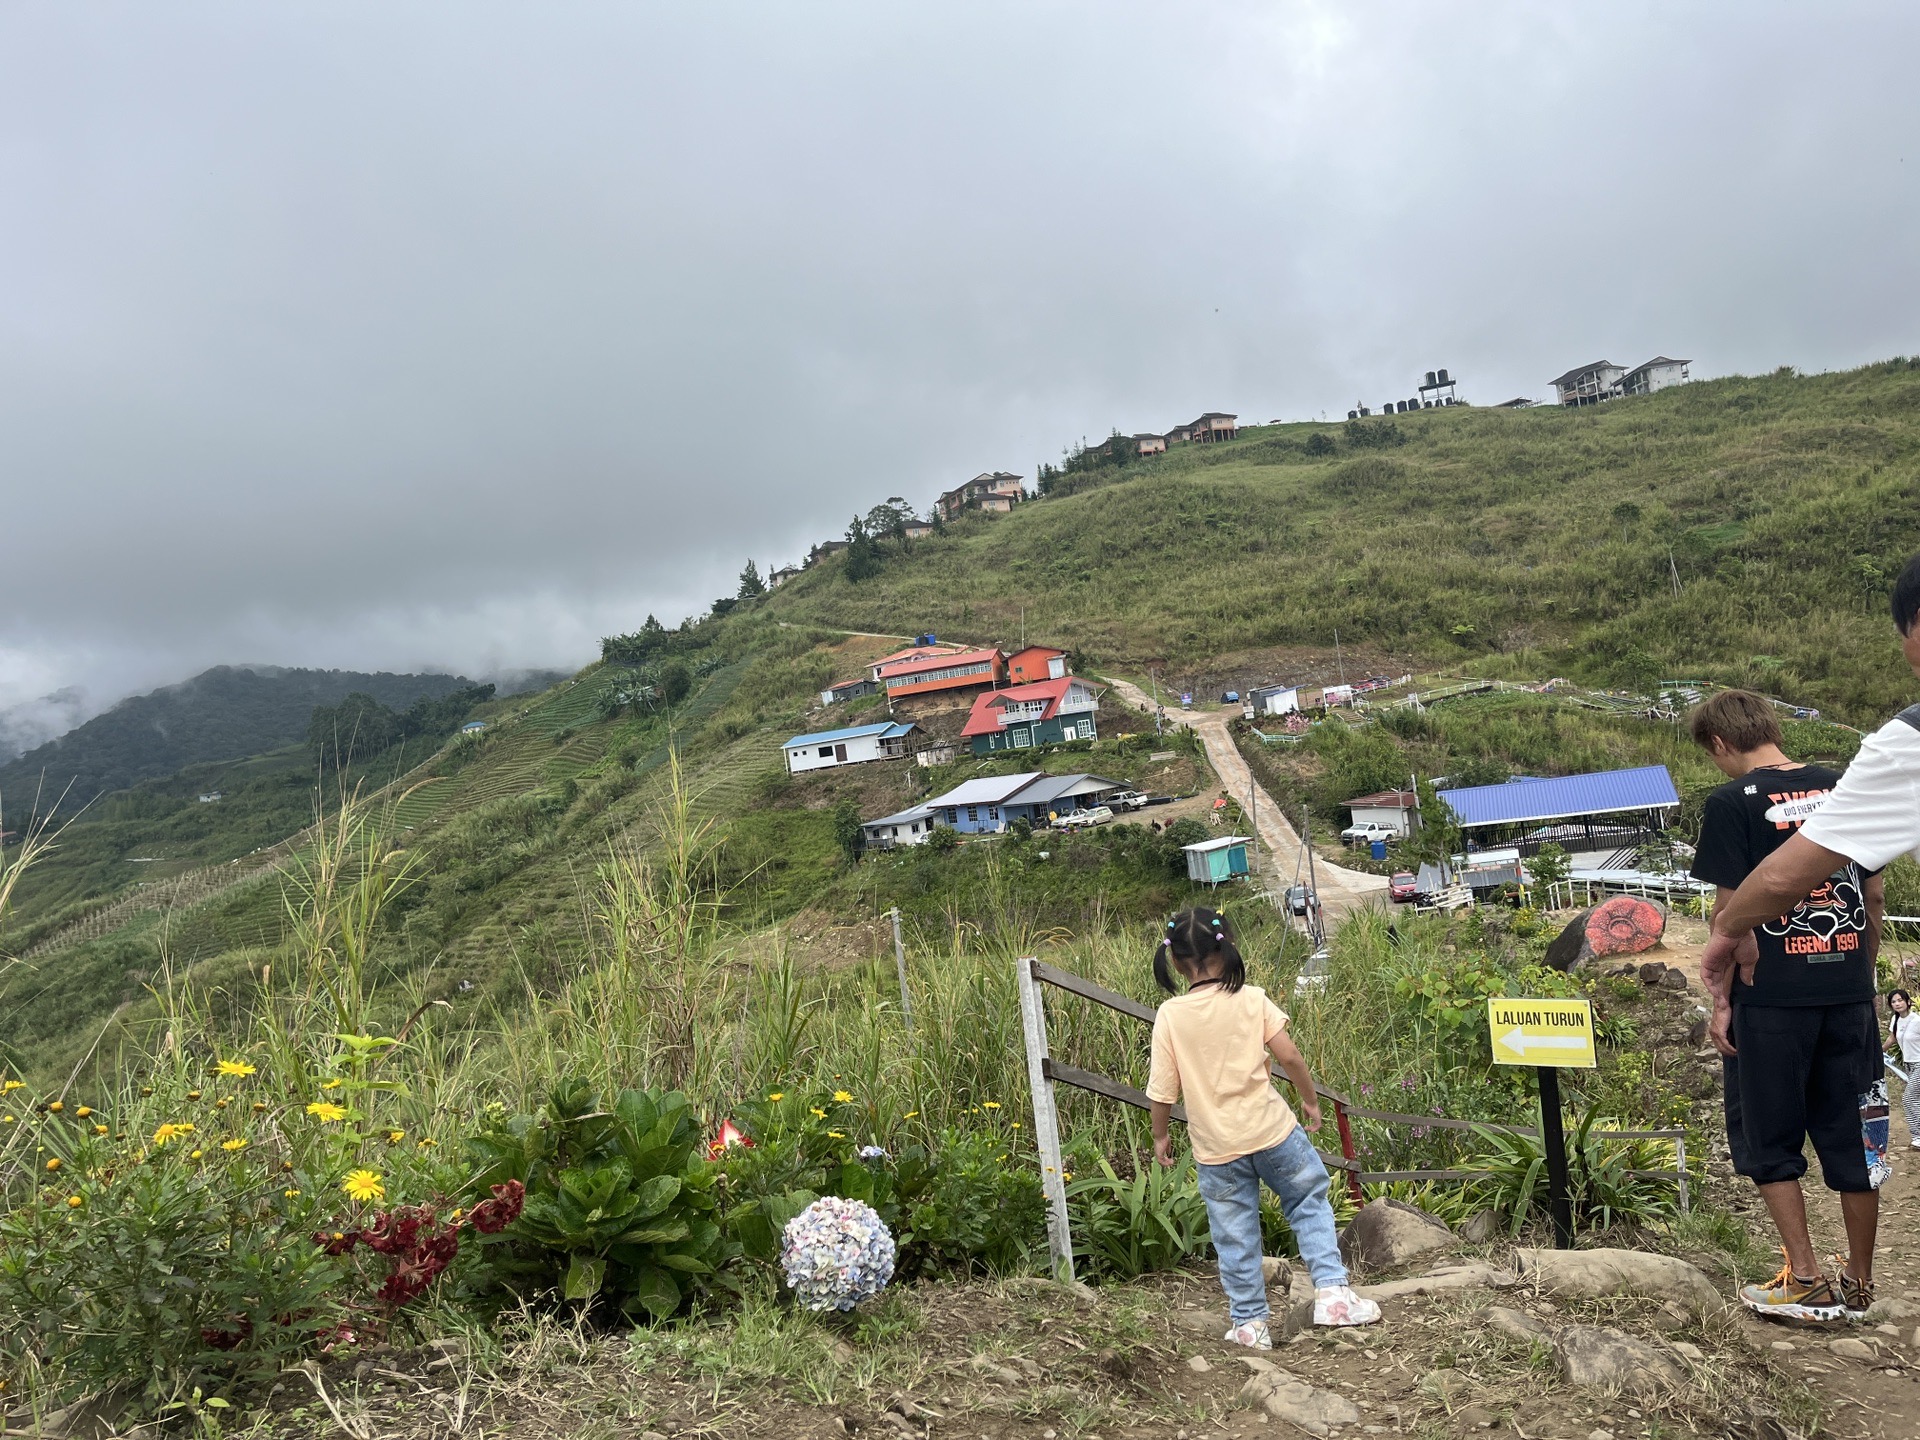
<point x="1213" y="862"/>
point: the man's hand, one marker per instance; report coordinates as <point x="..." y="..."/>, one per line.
<point x="1723" y="955"/>
<point x="1720" y="1028"/>
<point x="1163" y="1150"/>
<point x="1310" y="1113"/>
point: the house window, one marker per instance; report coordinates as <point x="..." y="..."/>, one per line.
<point x="953" y="815"/>
<point x="973" y="814"/>
<point x="826" y="752"/>
<point x="1023" y="738"/>
<point x="993" y="812"/>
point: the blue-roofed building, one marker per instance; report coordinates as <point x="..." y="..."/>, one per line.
<point x="882" y="740"/>
<point x="987" y="805"/>
<point x="1609" y="803"/>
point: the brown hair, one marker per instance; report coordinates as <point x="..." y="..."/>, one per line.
<point x="1739" y="719"/>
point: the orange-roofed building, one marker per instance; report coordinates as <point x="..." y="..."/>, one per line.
<point x="1036" y="663"/>
<point x="941" y="670"/>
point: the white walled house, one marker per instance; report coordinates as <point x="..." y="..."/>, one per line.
<point x="1589" y="384"/>
<point x="1275" y="700"/>
<point x="1657" y="374"/>
<point x="882" y="740"/>
<point x="909" y="827"/>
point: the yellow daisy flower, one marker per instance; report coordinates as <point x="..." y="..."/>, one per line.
<point x="394" y="1137"/>
<point x="57" y="1106"/>
<point x="99" y="1129"/>
<point x="835" y="1135"/>
<point x="291" y="1193"/>
<point x="12" y="1085"/>
<point x="239" y="1069"/>
<point x="232" y="1145"/>
<point x="321" y="1110"/>
<point x="74" y="1202"/>
<point x="54" y="1164"/>
<point x="363" y="1185"/>
<point x="83" y="1112"/>
<point x="776" y="1095"/>
<point x="989" y="1104"/>
<point x="816" y="1112"/>
<point x="333" y="1084"/>
<point x="170" y="1132"/>
<point x="841" y="1097"/>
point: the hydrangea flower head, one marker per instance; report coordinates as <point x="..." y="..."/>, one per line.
<point x="836" y="1253"/>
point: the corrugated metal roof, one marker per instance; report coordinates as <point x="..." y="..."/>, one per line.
<point x="1049" y="788"/>
<point x="885" y="729"/>
<point x="1220" y="844"/>
<point x="903" y="817"/>
<point x="1648" y="787"/>
<point x="987" y="790"/>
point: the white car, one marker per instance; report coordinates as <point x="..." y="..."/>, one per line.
<point x="1129" y="800"/>
<point x="1369" y="831"/>
<point x="1081" y="819"/>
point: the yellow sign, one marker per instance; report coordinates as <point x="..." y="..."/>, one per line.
<point x="1541" y="1032"/>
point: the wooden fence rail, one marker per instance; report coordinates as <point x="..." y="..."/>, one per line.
<point x="1044" y="1073"/>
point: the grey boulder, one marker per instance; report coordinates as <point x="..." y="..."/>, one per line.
<point x="1387" y="1233"/>
<point x="1598" y="1357"/>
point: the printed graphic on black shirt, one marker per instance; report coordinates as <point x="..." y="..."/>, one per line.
<point x="1816" y="954"/>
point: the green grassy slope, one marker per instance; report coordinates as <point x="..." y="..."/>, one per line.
<point x="1527" y="542"/>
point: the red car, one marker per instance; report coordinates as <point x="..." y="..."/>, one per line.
<point x="1402" y="885"/>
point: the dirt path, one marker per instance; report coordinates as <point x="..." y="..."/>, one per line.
<point x="1341" y="891"/>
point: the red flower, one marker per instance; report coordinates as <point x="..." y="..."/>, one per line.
<point x="490" y="1217"/>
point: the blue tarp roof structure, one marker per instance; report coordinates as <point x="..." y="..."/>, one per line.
<point x="885" y="729"/>
<point x="1520" y="802"/>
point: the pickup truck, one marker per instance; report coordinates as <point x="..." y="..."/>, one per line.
<point x="1368" y="831"/>
<point x="1129" y="800"/>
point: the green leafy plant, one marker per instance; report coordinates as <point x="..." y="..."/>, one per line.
<point x="617" y="1206"/>
<point x="1151" y="1222"/>
<point x="1605" y="1176"/>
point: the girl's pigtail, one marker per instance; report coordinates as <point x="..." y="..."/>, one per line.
<point x="1235" y="973"/>
<point x="1160" y="971"/>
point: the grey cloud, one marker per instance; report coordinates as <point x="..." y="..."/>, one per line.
<point x="455" y="336"/>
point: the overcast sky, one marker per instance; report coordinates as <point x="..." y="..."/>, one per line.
<point x="457" y="335"/>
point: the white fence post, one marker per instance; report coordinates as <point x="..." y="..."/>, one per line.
<point x="1680" y="1164"/>
<point x="1046" y="1122"/>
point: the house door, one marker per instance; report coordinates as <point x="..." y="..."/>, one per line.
<point x="840" y="754"/>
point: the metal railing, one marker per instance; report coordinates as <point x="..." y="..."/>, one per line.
<point x="1044" y="1072"/>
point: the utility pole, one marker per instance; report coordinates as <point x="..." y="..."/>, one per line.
<point x="1154" y="676"/>
<point x="1316" y="923"/>
<point x="900" y="964"/>
<point x="1339" y="657"/>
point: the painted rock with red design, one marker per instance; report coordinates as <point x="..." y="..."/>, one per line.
<point x="1624" y="925"/>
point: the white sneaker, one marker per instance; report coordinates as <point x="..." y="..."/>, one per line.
<point x="1338" y="1305"/>
<point x="1916" y="1144"/>
<point x="1254" y="1335"/>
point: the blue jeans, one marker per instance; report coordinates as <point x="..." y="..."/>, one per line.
<point x="1293" y="1171"/>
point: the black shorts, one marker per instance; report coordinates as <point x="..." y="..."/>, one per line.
<point x="1799" y="1077"/>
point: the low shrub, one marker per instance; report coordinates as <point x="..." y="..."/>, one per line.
<point x="1153" y="1221"/>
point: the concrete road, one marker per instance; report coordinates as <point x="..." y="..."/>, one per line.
<point x="1341" y="890"/>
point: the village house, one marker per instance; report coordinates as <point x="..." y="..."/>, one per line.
<point x="1213" y="427"/>
<point x="823" y="550"/>
<point x="1398" y="810"/>
<point x="1274" y="699"/>
<point x="1036" y="662"/>
<point x="1150" y="444"/>
<point x="917" y="529"/>
<point x="1657" y="374"/>
<point x="988" y="805"/>
<point x="882" y="740"/>
<point x="943" y="671"/>
<point x="997" y="493"/>
<point x="912" y="826"/>
<point x="1023" y="716"/>
<point x="1589" y="384"/>
<point x="845" y="690"/>
<point x="1179" y="435"/>
<point x="777" y="578"/>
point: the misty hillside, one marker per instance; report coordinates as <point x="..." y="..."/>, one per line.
<point x="221" y="714"/>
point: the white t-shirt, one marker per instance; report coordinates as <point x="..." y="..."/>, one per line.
<point x="1906" y="1034"/>
<point x="1873" y="814"/>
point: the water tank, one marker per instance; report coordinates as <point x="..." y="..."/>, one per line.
<point x="1399" y="405"/>
<point x="1365" y="411"/>
<point x="1443" y="378"/>
<point x="1429" y="379"/>
<point x="1353" y="414"/>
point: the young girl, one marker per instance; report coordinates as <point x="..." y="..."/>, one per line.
<point x="1903" y="1037"/>
<point x="1211" y="1043"/>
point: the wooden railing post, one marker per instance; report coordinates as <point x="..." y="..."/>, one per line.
<point x="1046" y="1121"/>
<point x="1346" y="1148"/>
<point x="1680" y="1164"/>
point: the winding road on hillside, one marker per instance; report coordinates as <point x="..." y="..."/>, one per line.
<point x="1342" y="891"/>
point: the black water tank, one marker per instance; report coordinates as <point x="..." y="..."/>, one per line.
<point x="1429" y="379"/>
<point x="1443" y="378"/>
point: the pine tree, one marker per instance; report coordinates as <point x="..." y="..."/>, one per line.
<point x="751" y="585"/>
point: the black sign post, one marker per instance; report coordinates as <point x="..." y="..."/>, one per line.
<point x="1554" y="1140"/>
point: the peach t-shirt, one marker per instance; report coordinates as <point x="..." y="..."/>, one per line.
<point x="1211" y="1046"/>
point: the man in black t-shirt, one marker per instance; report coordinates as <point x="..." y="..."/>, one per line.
<point x="1801" y="1042"/>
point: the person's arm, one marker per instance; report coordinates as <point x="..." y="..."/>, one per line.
<point x="1162" y="1136"/>
<point x="1281" y="1045"/>
<point x="1778" y="883"/>
<point x="1875" y="895"/>
<point x="1719" y="985"/>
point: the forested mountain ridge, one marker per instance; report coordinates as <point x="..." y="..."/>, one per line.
<point x="224" y="713"/>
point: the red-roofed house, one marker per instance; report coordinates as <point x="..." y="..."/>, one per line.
<point x="1024" y="716"/>
<point x="941" y="670"/>
<point x="1036" y="662"/>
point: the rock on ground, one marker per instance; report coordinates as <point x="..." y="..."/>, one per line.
<point x="1285" y="1396"/>
<point x="1389" y="1232"/>
<point x="1596" y="1274"/>
<point x="1514" y="1324"/>
<point x="1624" y="925"/>
<point x="1598" y="1357"/>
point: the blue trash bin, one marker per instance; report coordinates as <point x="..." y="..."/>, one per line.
<point x="1379" y="849"/>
